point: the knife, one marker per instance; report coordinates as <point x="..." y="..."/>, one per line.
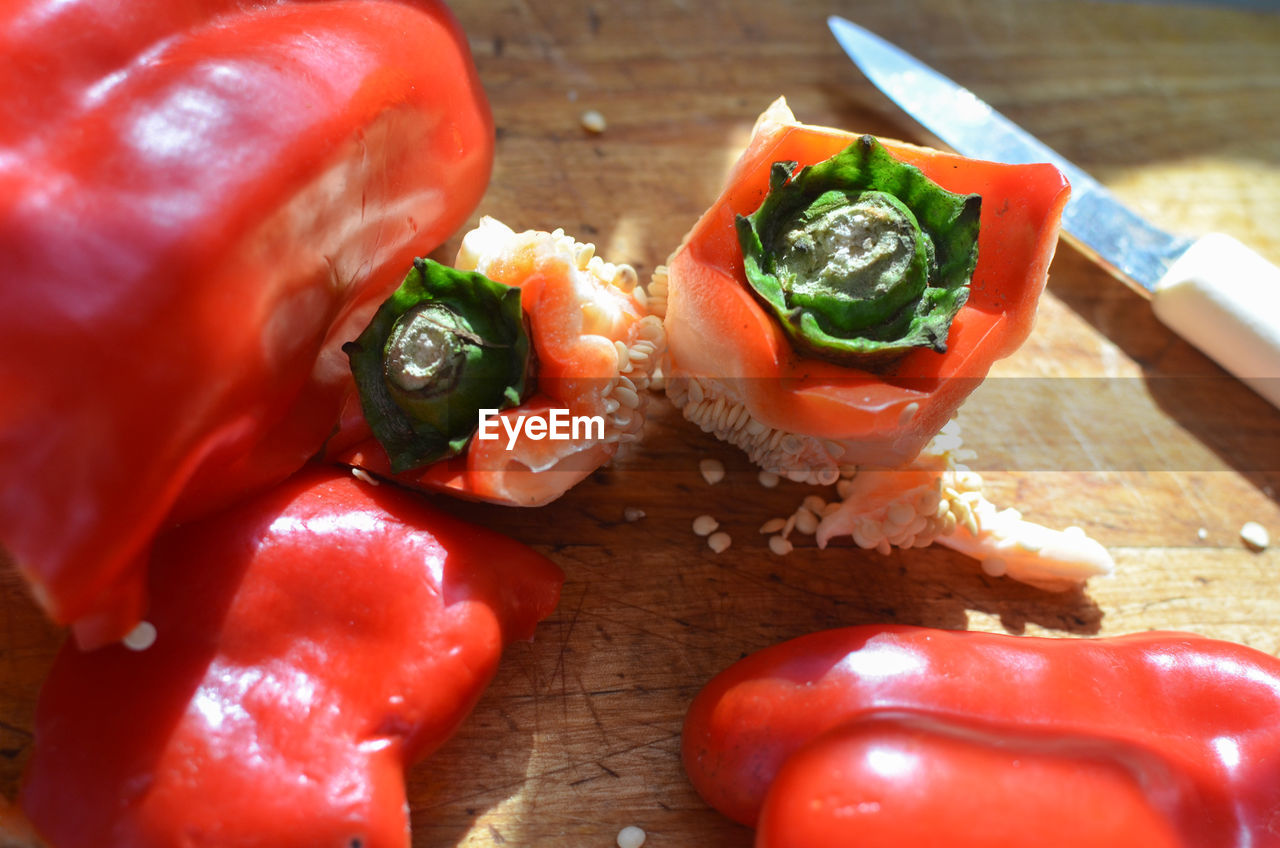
<point x="1214" y="291"/>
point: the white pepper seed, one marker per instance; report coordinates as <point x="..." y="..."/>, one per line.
<point x="712" y="470"/>
<point x="141" y="637"/>
<point x="773" y="525"/>
<point x="780" y="546"/>
<point x="806" y="521"/>
<point x="631" y="837"/>
<point x="768" y="479"/>
<point x="1254" y="535"/>
<point x="705" y="525"/>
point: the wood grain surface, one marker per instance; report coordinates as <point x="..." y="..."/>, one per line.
<point x="1104" y="419"/>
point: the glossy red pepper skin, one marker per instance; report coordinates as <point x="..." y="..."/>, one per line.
<point x="200" y="201"/>
<point x="311" y="643"/>
<point x="904" y="780"/>
<point x="901" y="735"/>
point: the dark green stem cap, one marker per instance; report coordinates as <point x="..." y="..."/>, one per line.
<point x="861" y="258"/>
<point x="445" y="345"/>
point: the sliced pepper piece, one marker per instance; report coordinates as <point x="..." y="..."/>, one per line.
<point x="310" y="644"/>
<point x="807" y="417"/>
<point x="595" y="347"/>
<point x="199" y="203"/>
<point x="1164" y="738"/>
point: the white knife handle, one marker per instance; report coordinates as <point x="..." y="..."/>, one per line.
<point x="1225" y="299"/>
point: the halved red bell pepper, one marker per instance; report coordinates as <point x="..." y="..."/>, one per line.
<point x="199" y="203"/>
<point x="720" y="335"/>
<point x="908" y="736"/>
<point x="310" y="644"/>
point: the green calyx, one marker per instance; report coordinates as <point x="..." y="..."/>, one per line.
<point x="861" y="258"/>
<point x="445" y="345"/>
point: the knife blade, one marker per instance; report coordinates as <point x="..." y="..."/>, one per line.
<point x="1214" y="291"/>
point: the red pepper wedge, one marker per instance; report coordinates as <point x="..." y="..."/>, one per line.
<point x="311" y="643"/>
<point x="1169" y="739"/>
<point x="595" y="348"/>
<point x="720" y="334"/>
<point x="199" y="203"/>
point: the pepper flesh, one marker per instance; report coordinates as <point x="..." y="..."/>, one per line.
<point x="311" y="643"/>
<point x="1180" y="727"/>
<point x="720" y="335"/>
<point x="199" y="203"/>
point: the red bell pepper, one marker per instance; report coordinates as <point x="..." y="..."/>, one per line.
<point x="199" y="203"/>
<point x="310" y="644"/>
<point x="801" y="414"/>
<point x="913" y="736"/>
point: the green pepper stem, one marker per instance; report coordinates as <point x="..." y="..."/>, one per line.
<point x="445" y="345"/>
<point x="860" y="258"/>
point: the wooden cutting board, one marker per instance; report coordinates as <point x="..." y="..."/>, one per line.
<point x="1104" y="419"/>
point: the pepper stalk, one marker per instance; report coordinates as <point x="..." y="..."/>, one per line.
<point x="861" y="258"/>
<point x="445" y="345"/>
